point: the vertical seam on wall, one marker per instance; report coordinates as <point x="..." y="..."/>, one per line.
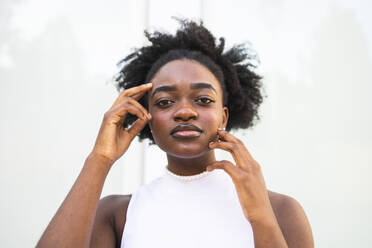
<point x="142" y="167"/>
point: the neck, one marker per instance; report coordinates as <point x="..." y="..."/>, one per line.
<point x="190" y="166"/>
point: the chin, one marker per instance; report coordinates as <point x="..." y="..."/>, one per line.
<point x="186" y="151"/>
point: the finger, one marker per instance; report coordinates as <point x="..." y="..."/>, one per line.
<point x="134" y="91"/>
<point x="227" y="146"/>
<point x="233" y="148"/>
<point x="137" y="126"/>
<point x="139" y="95"/>
<point x="137" y="104"/>
<point x="224" y="165"/>
<point x="118" y="115"/>
<point x="129" y="101"/>
<point x="226" y="136"/>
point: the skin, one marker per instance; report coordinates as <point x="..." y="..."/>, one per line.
<point x="85" y="221"/>
<point x="201" y="107"/>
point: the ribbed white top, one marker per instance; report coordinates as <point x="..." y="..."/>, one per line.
<point x="200" y="211"/>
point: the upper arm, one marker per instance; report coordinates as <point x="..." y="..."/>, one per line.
<point x="103" y="233"/>
<point x="293" y="222"/>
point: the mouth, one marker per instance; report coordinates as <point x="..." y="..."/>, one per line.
<point x="186" y="131"/>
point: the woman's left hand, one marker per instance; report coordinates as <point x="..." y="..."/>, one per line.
<point x="247" y="177"/>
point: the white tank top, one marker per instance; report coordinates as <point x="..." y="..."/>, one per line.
<point x="169" y="212"/>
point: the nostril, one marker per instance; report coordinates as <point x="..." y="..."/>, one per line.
<point x="185" y="118"/>
<point x="185" y="114"/>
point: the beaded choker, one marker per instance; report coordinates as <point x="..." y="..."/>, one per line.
<point x="187" y="178"/>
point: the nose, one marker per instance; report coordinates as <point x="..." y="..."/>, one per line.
<point x="185" y="112"/>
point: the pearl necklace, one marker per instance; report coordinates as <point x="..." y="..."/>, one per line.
<point x="187" y="178"/>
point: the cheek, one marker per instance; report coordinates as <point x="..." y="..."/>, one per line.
<point x="212" y="120"/>
<point x="161" y="127"/>
<point x="159" y="124"/>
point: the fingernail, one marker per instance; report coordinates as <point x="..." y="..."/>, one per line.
<point x="148" y="84"/>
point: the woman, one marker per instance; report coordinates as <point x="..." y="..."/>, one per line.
<point x="184" y="93"/>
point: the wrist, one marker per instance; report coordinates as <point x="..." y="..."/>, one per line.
<point x="101" y="161"/>
<point x="267" y="231"/>
<point x="266" y="223"/>
<point x="265" y="220"/>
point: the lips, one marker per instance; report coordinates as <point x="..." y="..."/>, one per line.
<point x="186" y="131"/>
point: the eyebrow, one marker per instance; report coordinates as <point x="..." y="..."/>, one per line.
<point x="193" y="86"/>
<point x="165" y="88"/>
<point x="202" y="86"/>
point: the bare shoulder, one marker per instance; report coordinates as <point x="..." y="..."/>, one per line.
<point x="292" y="220"/>
<point x="115" y="207"/>
<point x="115" y="203"/>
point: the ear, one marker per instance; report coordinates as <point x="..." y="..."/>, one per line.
<point x="225" y="117"/>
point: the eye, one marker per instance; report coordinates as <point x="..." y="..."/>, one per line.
<point x="204" y="100"/>
<point x="163" y="102"/>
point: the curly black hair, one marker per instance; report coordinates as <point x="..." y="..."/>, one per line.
<point x="234" y="69"/>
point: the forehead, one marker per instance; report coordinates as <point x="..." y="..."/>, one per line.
<point x="182" y="73"/>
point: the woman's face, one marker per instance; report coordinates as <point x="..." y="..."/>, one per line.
<point x="186" y="107"/>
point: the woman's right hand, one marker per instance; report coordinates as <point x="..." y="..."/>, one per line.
<point x="113" y="139"/>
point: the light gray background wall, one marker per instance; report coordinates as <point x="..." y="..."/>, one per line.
<point x="314" y="141"/>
